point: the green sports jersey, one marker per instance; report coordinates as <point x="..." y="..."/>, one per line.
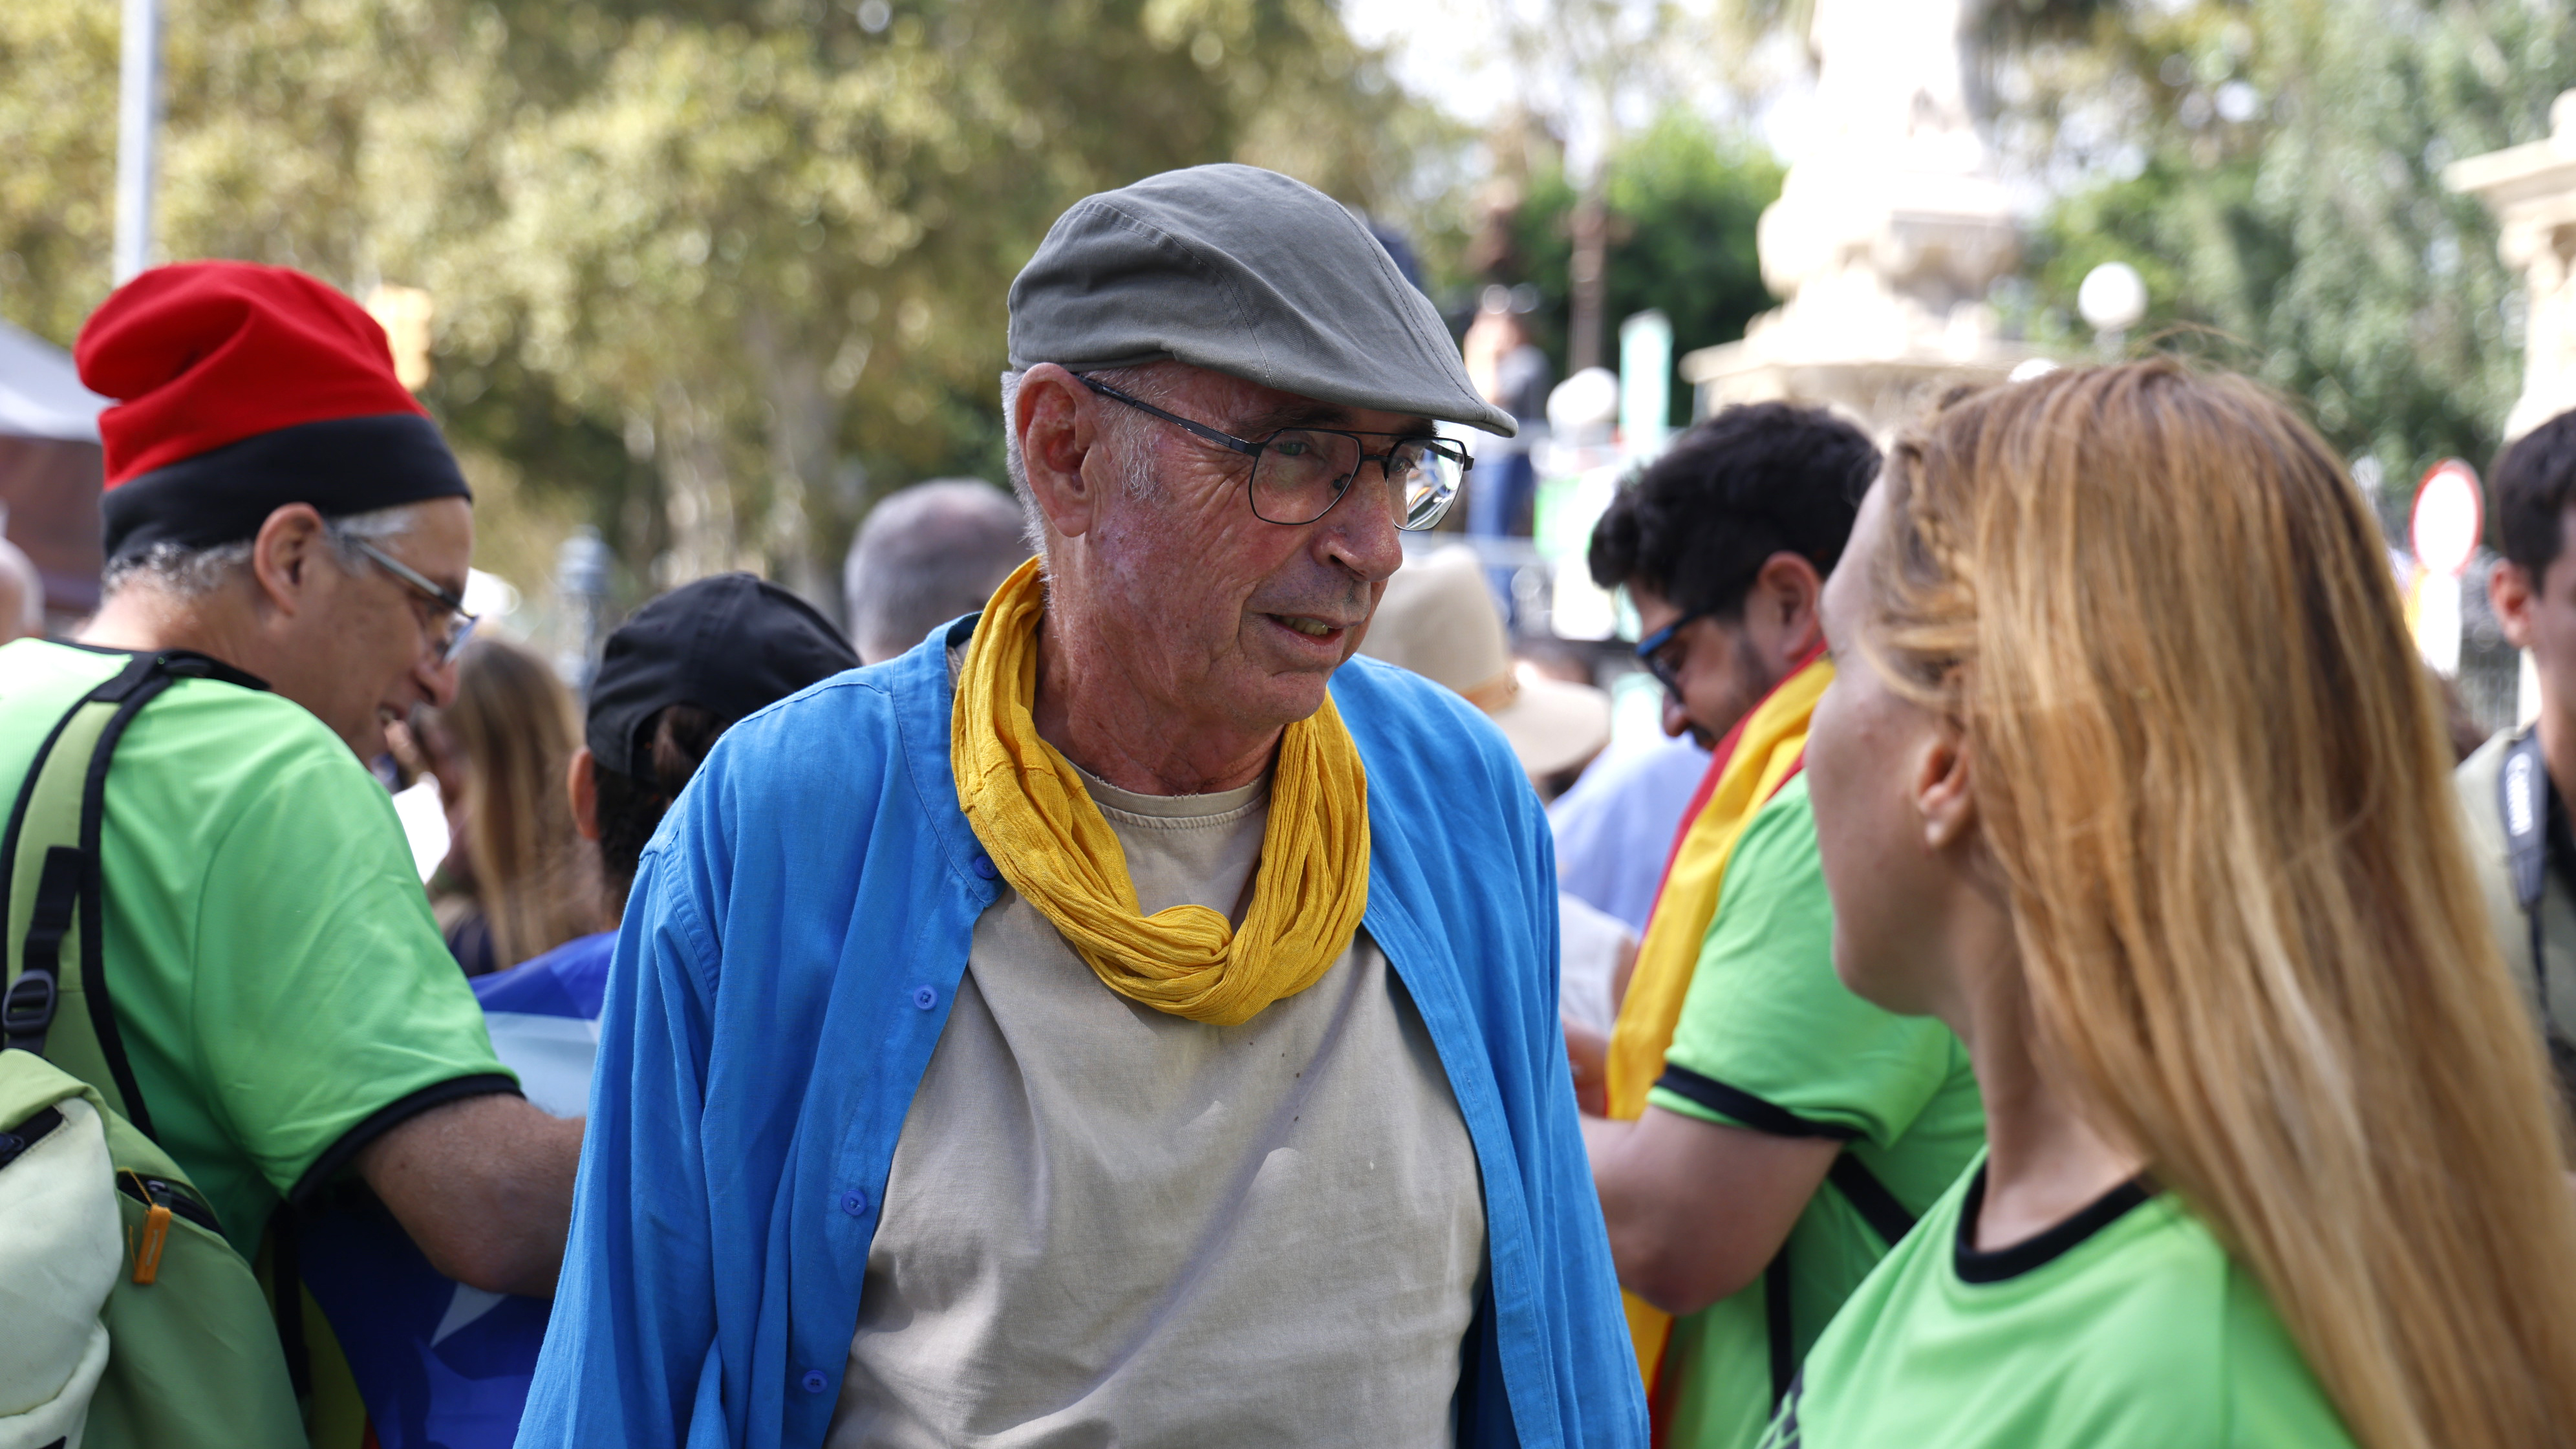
<point x="279" y="988"/>
<point x="2124" y="1327"/>
<point x="1770" y="1039"/>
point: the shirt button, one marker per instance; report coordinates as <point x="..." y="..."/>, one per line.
<point x="854" y="1203"/>
<point x="925" y="997"/>
<point x="984" y="867"/>
<point x="814" y="1381"/>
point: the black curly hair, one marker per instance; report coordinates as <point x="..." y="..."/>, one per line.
<point x="1754" y="480"/>
<point x="2535" y="482"/>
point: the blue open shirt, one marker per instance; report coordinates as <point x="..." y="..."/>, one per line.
<point x="796" y="933"/>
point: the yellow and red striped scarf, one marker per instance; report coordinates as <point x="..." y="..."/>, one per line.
<point x="1765" y="749"/>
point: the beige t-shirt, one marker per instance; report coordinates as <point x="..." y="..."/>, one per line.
<point x="1106" y="1225"/>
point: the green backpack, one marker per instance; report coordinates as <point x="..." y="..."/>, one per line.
<point x="147" y="1328"/>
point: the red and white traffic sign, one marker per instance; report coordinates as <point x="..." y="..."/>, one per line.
<point x="2449" y="515"/>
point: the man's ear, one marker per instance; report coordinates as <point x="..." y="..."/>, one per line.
<point x="1787" y="598"/>
<point x="581" y="786"/>
<point x="2514" y="593"/>
<point x="1944" y="787"/>
<point x="1058" y="427"/>
<point x="288" y="547"/>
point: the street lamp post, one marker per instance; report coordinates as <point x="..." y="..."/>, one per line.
<point x="138" y="127"/>
<point x="581" y="580"/>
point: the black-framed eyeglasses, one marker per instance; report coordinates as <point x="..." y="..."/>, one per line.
<point x="1650" y="652"/>
<point x="461" y="624"/>
<point x="1298" y="474"/>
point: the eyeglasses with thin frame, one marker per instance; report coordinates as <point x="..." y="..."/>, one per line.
<point x="1650" y="652"/>
<point x="1298" y="474"/>
<point x="457" y="632"/>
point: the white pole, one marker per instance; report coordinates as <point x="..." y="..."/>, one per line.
<point x="138" y="127"/>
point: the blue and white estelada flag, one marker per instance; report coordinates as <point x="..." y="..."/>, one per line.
<point x="441" y="1365"/>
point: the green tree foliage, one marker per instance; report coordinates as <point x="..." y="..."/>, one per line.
<point x="1683" y="201"/>
<point x="2287" y="196"/>
<point x="715" y="273"/>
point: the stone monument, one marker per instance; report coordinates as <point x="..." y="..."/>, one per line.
<point x="1887" y="232"/>
<point x="2532" y="191"/>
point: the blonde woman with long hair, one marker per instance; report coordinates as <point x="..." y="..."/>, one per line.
<point x="515" y="727"/>
<point x="2130" y="775"/>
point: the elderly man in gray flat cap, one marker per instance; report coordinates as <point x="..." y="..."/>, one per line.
<point x="1125" y="1018"/>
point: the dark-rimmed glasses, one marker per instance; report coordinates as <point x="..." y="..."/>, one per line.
<point x="461" y="625"/>
<point x="1298" y="474"/>
<point x="1650" y="652"/>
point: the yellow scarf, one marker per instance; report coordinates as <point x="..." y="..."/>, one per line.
<point x="1029" y="808"/>
<point x="1764" y="751"/>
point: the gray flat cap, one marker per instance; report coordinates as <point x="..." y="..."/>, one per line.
<point x="1245" y="272"/>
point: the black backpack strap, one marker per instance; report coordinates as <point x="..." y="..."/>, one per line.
<point x="1859" y="1186"/>
<point x="1870" y="1197"/>
<point x="2523" y="802"/>
<point x="1877" y="1207"/>
<point x="51" y="891"/>
<point x="2522" y="791"/>
<point x="1776" y="1326"/>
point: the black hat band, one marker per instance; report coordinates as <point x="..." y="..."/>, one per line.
<point x="340" y="466"/>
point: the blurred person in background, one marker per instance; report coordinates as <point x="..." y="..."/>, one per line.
<point x="925" y="555"/>
<point x="287" y="538"/>
<point x="2459" y="724"/>
<point x="22" y="593"/>
<point x="1510" y="372"/>
<point x="1438" y="619"/>
<point x="913" y="1126"/>
<point x="422" y="745"/>
<point x="2132" y="777"/>
<point x="1566" y="663"/>
<point x="515" y="883"/>
<point x="1615" y="824"/>
<point x="2516" y="787"/>
<point x="673" y="678"/>
<point x="1770" y="1135"/>
<point x="439" y="1366"/>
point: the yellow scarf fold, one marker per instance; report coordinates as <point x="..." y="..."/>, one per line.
<point x="1028" y="806"/>
<point x="1765" y="750"/>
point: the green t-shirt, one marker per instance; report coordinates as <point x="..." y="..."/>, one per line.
<point x="1770" y="1039"/>
<point x="2124" y="1327"/>
<point x="278" y="983"/>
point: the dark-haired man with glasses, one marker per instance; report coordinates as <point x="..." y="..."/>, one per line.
<point x="270" y="1000"/>
<point x="1126" y="1017"/>
<point x="1768" y="1134"/>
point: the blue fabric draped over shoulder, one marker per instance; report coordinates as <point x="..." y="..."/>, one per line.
<point x="796" y="932"/>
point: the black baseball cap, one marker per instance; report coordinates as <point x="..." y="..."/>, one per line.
<point x="728" y="645"/>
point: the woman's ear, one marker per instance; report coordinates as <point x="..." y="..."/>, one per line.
<point x="1944" y="787"/>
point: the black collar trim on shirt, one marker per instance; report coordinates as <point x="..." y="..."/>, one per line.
<point x="2038" y="1251"/>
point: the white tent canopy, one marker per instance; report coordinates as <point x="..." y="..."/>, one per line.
<point x="40" y="392"/>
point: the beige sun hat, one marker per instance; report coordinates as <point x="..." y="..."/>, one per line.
<point x="1439" y="620"/>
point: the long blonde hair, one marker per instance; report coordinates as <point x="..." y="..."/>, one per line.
<point x="2216" y="787"/>
<point x="515" y="723"/>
